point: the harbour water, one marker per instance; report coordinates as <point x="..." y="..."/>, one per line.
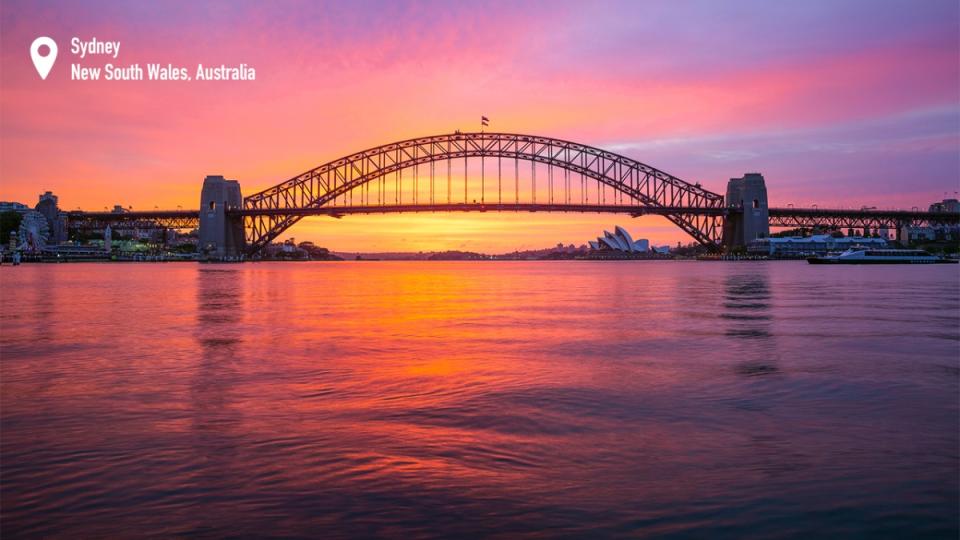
<point x="425" y="399"/>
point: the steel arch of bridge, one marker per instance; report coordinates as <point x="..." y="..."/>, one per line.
<point x="645" y="186"/>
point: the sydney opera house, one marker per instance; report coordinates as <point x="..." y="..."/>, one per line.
<point x="621" y="241"/>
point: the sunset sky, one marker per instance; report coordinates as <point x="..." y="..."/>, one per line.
<point x="836" y="103"/>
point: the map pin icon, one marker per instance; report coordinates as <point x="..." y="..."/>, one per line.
<point x="43" y="63"/>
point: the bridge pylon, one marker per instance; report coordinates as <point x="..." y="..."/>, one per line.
<point x="749" y="217"/>
<point x="221" y="235"/>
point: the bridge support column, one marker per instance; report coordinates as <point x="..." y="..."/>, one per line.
<point x="749" y="218"/>
<point x="221" y="235"/>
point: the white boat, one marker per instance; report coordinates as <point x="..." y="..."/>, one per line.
<point x="880" y="256"/>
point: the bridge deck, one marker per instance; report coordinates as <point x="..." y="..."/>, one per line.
<point x="337" y="211"/>
<point x="774" y="212"/>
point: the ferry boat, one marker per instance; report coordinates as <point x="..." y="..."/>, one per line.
<point x="880" y="256"/>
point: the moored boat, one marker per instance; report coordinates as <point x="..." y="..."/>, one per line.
<point x="881" y="256"/>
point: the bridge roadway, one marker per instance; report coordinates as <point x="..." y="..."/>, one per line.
<point x="779" y="217"/>
<point x="169" y="219"/>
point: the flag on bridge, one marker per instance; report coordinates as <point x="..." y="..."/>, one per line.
<point x="484" y="121"/>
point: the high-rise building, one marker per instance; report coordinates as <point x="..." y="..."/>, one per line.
<point x="56" y="221"/>
<point x="946" y="205"/>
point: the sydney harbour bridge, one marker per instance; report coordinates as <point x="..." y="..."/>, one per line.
<point x="490" y="172"/>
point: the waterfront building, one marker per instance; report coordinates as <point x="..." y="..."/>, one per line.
<point x="804" y="246"/>
<point x="619" y="240"/>
<point x="11" y="206"/>
<point x="936" y="233"/>
<point x="912" y="234"/>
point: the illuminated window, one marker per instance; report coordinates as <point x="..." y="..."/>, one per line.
<point x="213" y="205"/>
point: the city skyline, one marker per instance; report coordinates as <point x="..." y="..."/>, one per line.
<point x="835" y="105"/>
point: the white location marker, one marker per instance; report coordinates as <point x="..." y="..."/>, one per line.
<point x="43" y="63"/>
